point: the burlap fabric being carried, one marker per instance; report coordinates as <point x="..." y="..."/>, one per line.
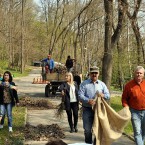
<point x="108" y="125"/>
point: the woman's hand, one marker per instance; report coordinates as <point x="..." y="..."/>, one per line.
<point x="62" y="92"/>
<point x="13" y="87"/>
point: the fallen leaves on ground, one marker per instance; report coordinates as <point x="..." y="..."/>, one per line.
<point x="36" y="103"/>
<point x="43" y="132"/>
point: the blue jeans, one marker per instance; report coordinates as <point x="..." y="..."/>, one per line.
<point x="138" y="123"/>
<point x="6" y="108"/>
<point x="88" y="118"/>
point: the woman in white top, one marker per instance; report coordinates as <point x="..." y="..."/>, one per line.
<point x="69" y="91"/>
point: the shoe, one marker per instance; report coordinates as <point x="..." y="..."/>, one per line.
<point x="1" y="126"/>
<point x="71" y="131"/>
<point x="76" y="130"/>
<point x="10" y="129"/>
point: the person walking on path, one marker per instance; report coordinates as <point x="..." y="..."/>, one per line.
<point x="49" y="64"/>
<point x="77" y="78"/>
<point x="69" y="64"/>
<point x="8" y="97"/>
<point x="134" y="97"/>
<point x="87" y="94"/>
<point x="69" y="91"/>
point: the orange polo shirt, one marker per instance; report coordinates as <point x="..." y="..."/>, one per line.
<point x="134" y="95"/>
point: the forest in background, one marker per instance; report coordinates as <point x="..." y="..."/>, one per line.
<point x="109" y="34"/>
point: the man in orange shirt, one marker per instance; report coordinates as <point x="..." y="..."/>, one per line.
<point x="134" y="97"/>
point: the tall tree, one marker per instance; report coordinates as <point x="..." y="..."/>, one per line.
<point x="111" y="38"/>
<point x="22" y="38"/>
<point x="136" y="29"/>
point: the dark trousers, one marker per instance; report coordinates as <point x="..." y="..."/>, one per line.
<point x="72" y="115"/>
<point x="88" y="118"/>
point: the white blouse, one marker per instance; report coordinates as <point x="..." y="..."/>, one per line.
<point x="72" y="94"/>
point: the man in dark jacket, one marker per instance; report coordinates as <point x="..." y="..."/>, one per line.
<point x="77" y="78"/>
<point x="69" y="64"/>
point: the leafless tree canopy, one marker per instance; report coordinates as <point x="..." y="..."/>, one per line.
<point x="109" y="34"/>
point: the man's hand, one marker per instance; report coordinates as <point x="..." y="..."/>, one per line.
<point x="17" y="104"/>
<point x="101" y="95"/>
<point x="92" y="102"/>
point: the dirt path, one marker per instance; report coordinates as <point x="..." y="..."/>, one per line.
<point x="47" y="117"/>
<point x="25" y="86"/>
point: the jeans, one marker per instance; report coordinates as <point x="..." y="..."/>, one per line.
<point x="138" y="123"/>
<point x="6" y="108"/>
<point x="88" y="118"/>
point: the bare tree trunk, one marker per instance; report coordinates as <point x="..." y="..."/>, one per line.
<point x="120" y="72"/>
<point x="107" y="58"/>
<point x="22" y="38"/>
<point x="111" y="40"/>
<point x="135" y="27"/>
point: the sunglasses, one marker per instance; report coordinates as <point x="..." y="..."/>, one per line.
<point x="94" y="72"/>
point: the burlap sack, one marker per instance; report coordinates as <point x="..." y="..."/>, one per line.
<point x="108" y="125"/>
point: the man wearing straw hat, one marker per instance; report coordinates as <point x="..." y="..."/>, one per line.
<point x="134" y="97"/>
<point x="87" y="94"/>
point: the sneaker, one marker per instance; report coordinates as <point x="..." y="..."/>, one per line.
<point x="1" y="126"/>
<point x="10" y="129"/>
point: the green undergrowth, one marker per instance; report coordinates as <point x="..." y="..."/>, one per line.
<point x="17" y="136"/>
<point x="14" y="71"/>
<point x="117" y="105"/>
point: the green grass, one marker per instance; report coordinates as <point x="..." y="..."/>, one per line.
<point x="115" y="88"/>
<point x="19" y="74"/>
<point x="117" y="105"/>
<point x="16" y="73"/>
<point x="17" y="137"/>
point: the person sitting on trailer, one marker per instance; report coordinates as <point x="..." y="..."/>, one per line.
<point x="49" y="64"/>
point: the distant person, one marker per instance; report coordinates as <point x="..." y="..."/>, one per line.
<point x="87" y="95"/>
<point x="77" y="78"/>
<point x="69" y="91"/>
<point x="49" y="64"/>
<point x="8" y="98"/>
<point x="69" y="64"/>
<point x="134" y="97"/>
